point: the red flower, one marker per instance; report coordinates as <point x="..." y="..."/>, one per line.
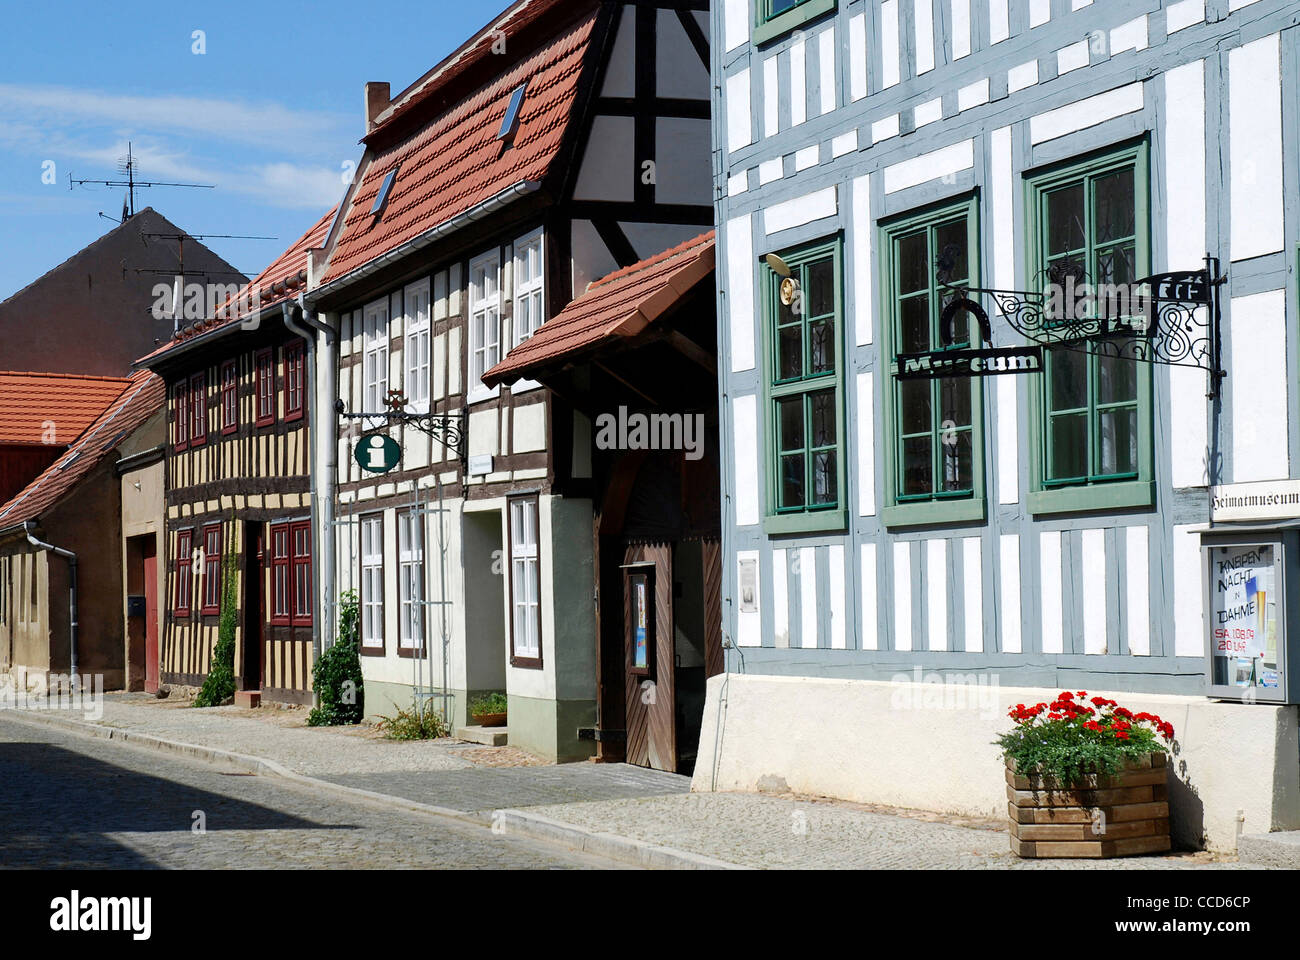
<point x="1066" y="695"/>
<point x="1082" y="694"/>
<point x="1092" y="725"/>
<point x="1121" y="736"/>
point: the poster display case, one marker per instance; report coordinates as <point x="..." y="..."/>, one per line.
<point x="1251" y="589"/>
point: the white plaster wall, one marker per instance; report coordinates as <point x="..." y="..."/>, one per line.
<point x="816" y="734"/>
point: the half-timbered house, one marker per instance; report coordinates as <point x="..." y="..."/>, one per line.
<point x="563" y="141"/>
<point x="885" y="164"/>
<point x="636" y="355"/>
<point x="238" y="483"/>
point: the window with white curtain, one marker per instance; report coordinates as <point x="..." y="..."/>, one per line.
<point x="372" y="582"/>
<point x="484" y="319"/>
<point x="525" y="585"/>
<point x="410" y="555"/>
<point x="529" y="293"/>
<point x="415" y="346"/>
<point x="375" y="356"/>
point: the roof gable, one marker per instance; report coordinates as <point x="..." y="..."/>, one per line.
<point x="455" y="161"/>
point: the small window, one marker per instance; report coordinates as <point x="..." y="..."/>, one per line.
<point x="375" y="357"/>
<point x="410" y="555"/>
<point x="280" y="574"/>
<point x="181" y="416"/>
<point x="530" y="288"/>
<point x="300" y="541"/>
<point x="510" y="122"/>
<point x="778" y="18"/>
<point x="211" y="570"/>
<point x="265" y="376"/>
<point x="372" y="584"/>
<point x="198" y="409"/>
<point x="484" y="319"/>
<point x="293" y="381"/>
<point x="184" y="573"/>
<point x="385" y="188"/>
<point x="525" y="584"/>
<point x="229" y="397"/>
<point x="415" y="349"/>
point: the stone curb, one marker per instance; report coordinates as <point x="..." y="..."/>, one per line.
<point x="608" y="845"/>
<point x="1280" y="850"/>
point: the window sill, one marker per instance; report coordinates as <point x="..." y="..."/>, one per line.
<point x="786" y="22"/>
<point x="293" y="416"/>
<point x="482" y="395"/>
<point x="935" y="512"/>
<point x="822" y="521"/>
<point x="526" y="663"/>
<point x="1102" y="496"/>
<point x="371" y="651"/>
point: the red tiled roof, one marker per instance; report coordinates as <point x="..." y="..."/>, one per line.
<point x="619" y="305"/>
<point x="142" y="396"/>
<point x="455" y="161"/>
<point x="32" y="403"/>
<point x="284" y="278"/>
<point x="505" y="28"/>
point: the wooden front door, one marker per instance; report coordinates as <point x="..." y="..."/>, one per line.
<point x="648" y="656"/>
<point x="254" y="609"/>
<point x="150" y="552"/>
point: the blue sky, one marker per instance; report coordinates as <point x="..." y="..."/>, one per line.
<point x="270" y="113"/>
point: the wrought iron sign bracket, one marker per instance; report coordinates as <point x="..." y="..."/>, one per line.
<point x="449" y="429"/>
<point x="1173" y="319"/>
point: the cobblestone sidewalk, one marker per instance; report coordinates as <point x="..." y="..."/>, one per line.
<point x="787" y="832"/>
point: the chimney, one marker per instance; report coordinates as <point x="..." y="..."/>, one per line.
<point x="377" y="98"/>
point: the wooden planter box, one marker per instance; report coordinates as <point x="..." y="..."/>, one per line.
<point x="490" y="719"/>
<point x="1105" y="817"/>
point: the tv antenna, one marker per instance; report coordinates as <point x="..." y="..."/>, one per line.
<point x="127" y="165"/>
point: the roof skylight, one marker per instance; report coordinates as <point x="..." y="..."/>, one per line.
<point x="385" y="188"/>
<point x="510" y="122"/>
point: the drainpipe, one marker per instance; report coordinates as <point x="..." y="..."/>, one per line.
<point x="71" y="557"/>
<point x="321" y="505"/>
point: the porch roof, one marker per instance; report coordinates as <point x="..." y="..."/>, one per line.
<point x="618" y="306"/>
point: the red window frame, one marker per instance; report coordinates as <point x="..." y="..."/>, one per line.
<point x="181" y="416"/>
<point x="198" y="409"/>
<point x="300" y="574"/>
<point x="281" y="576"/>
<point x="229" y="397"/>
<point x="293" y="381"/>
<point x="290" y="562"/>
<point x="181" y="598"/>
<point x="264" y="366"/>
<point x="211" y="598"/>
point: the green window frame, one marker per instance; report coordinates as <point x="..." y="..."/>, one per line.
<point x="1092" y="414"/>
<point x="775" y="18"/>
<point x="803" y="391"/>
<point x="952" y="421"/>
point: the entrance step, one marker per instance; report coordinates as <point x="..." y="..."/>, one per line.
<point x="248" y="698"/>
<point x="488" y="736"/>
<point x="1281" y="849"/>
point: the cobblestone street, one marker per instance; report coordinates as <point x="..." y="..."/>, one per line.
<point x="76" y="802"/>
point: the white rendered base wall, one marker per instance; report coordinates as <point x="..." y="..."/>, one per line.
<point x="929" y="747"/>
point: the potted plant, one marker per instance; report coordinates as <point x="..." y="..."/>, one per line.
<point x="1086" y="778"/>
<point x="489" y="710"/>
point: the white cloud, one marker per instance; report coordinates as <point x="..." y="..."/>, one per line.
<point x="266" y="125"/>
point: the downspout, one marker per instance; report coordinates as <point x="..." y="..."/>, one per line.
<point x="71" y="557"/>
<point x="313" y="427"/>
<point x="323" y="505"/>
